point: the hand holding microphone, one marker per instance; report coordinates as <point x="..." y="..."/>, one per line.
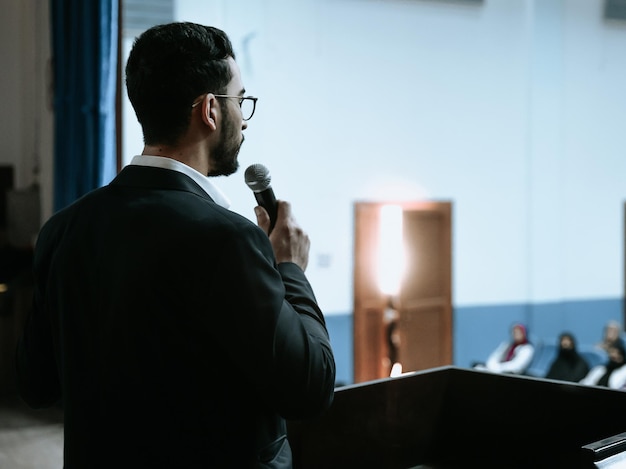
<point x="289" y="241"/>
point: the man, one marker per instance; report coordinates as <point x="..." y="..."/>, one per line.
<point x="174" y="332"/>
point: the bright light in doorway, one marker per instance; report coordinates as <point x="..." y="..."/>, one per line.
<point x="391" y="256"/>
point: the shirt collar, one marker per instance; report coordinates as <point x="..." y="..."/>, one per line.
<point x="168" y="163"/>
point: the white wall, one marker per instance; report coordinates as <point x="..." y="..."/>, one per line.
<point x="512" y="109"/>
<point x="594" y="153"/>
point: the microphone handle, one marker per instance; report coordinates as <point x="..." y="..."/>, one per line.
<point x="267" y="200"/>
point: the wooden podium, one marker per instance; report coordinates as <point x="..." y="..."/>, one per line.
<point x="451" y="417"/>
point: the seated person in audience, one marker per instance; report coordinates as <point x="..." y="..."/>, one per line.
<point x="511" y="356"/>
<point x="613" y="373"/>
<point x="611" y="334"/>
<point x="568" y="365"/>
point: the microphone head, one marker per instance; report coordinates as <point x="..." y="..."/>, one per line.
<point x="257" y="177"/>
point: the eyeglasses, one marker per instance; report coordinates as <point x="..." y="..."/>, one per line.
<point x="246" y="103"/>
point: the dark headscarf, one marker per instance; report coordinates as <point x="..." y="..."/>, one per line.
<point x="568" y="354"/>
<point x="612" y="365"/>
<point x="568" y="365"/>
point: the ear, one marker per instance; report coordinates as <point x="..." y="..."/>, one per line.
<point x="210" y="111"/>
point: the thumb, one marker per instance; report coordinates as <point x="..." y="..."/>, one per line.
<point x="262" y="218"/>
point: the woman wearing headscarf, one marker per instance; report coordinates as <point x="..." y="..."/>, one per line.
<point x="568" y="365"/>
<point x="611" y="334"/>
<point x="512" y="356"/>
<point x="613" y="373"/>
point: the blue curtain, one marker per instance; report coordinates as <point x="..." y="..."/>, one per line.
<point x="84" y="50"/>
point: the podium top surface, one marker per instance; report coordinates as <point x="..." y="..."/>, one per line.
<point x="451" y="417"/>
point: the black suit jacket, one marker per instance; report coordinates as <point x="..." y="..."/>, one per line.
<point x="168" y="332"/>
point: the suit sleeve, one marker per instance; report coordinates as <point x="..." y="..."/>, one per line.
<point x="35" y="359"/>
<point x="303" y="335"/>
<point x="37" y="376"/>
<point x="281" y="330"/>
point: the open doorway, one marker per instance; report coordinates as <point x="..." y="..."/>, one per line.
<point x="418" y="335"/>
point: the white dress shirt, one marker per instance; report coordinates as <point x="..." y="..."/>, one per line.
<point x="168" y="163"/>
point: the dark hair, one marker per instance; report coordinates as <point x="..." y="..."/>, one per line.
<point x="168" y="67"/>
<point x="619" y="346"/>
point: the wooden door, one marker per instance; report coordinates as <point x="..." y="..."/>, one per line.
<point x="424" y="302"/>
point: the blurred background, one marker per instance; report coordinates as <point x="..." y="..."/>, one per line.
<point x="510" y="111"/>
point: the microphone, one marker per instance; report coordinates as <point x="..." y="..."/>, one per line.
<point x="258" y="179"/>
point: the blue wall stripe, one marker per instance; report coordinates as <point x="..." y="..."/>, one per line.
<point x="477" y="330"/>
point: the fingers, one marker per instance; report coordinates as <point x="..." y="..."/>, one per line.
<point x="289" y="241"/>
<point x="262" y="218"/>
<point x="284" y="209"/>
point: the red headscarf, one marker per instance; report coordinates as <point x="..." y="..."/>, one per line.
<point x="511" y="351"/>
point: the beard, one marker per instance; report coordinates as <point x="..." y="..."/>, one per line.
<point x="225" y="154"/>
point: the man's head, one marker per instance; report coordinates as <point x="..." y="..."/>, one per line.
<point x="173" y="73"/>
